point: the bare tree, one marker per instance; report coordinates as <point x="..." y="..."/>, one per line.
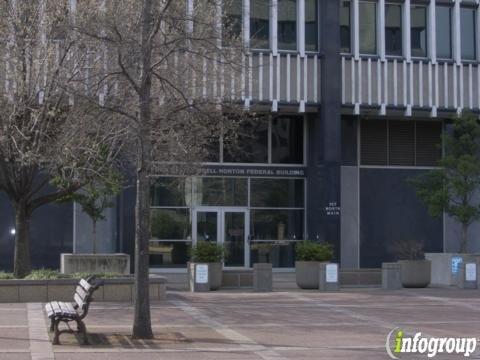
<point x="50" y="145"/>
<point x="163" y="68"/>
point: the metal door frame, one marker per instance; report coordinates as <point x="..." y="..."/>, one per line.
<point x="220" y="211"/>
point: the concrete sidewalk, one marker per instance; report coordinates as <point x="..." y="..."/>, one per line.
<point x="351" y="324"/>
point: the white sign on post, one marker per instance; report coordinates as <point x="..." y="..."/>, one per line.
<point x="331" y="273"/>
<point x="471" y="272"/>
<point x="201" y="274"/>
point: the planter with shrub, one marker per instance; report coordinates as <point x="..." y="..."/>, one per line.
<point x="415" y="271"/>
<point x="309" y="255"/>
<point x="211" y="254"/>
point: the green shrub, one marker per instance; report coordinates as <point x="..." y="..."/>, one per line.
<point x="46" y="274"/>
<point x="312" y="251"/>
<point x="84" y="275"/>
<point x="5" y="276"/>
<point x="207" y="251"/>
<point x="49" y="274"/>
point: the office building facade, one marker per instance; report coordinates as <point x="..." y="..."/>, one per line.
<point x="352" y="98"/>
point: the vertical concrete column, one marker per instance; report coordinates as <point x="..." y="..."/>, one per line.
<point x="324" y="155"/>
<point x="262" y="277"/>
<point x="391" y="276"/>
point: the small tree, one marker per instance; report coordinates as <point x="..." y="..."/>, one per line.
<point x="95" y="198"/>
<point x="453" y="187"/>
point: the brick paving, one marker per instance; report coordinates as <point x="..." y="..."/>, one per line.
<point x="350" y="324"/>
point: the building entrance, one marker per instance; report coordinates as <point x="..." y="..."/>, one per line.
<point x="227" y="226"/>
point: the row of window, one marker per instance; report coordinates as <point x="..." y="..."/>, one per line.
<point x="419" y="28"/>
<point x="262" y="140"/>
<point x="220" y="191"/>
<point x="287" y="23"/>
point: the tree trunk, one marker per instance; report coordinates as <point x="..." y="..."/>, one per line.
<point x="142" y="327"/>
<point x="22" y="265"/>
<point x="94" y="237"/>
<point x="464" y="242"/>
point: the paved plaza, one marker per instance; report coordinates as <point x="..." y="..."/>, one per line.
<point x="350" y="324"/>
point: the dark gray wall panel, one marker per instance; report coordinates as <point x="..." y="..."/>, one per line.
<point x="391" y="212"/>
<point x="51" y="233"/>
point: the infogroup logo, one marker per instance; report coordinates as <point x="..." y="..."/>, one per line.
<point x="397" y="343"/>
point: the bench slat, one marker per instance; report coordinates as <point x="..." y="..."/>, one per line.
<point x="86" y="285"/>
<point x="79" y="301"/>
<point x="49" y="310"/>
<point x="82" y="293"/>
<point x="67" y="308"/>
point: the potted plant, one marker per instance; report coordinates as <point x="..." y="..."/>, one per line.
<point x="415" y="271"/>
<point x="212" y="254"/>
<point x="309" y="255"/>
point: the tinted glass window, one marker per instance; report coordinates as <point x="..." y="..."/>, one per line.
<point x="393" y="29"/>
<point x="220" y="191"/>
<point x="468" y="25"/>
<point x="170" y="224"/>
<point x="276" y="224"/>
<point x="444" y="32"/>
<point x="248" y="143"/>
<point x="368" y="27"/>
<point x="260" y="24"/>
<point x="419" y="31"/>
<point x="287" y="24"/>
<point x="171" y="191"/>
<point x="232" y="20"/>
<point x="283" y="193"/>
<point x="311" y="26"/>
<point x="345" y="33"/>
<point x="287" y="140"/>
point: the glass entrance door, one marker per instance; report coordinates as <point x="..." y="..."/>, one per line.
<point x="227" y="226"/>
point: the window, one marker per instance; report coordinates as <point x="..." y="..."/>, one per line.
<point x="311" y="25"/>
<point x="260" y="24"/>
<point x="468" y="33"/>
<point x="400" y="143"/>
<point x="232" y="21"/>
<point x="212" y="191"/>
<point x="345" y="33"/>
<point x="287" y="24"/>
<point x="248" y="142"/>
<point x="170" y="223"/>
<point x="281" y="193"/>
<point x="418" y="31"/>
<point x="276" y="220"/>
<point x="287" y="140"/>
<point x="368" y="27"/>
<point x="393" y="29"/>
<point x="444" y="32"/>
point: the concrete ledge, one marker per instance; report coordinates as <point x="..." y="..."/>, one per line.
<point x="117" y="290"/>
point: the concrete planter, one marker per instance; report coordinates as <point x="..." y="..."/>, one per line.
<point x="215" y="274"/>
<point x="117" y="290"/>
<point x="446" y="268"/>
<point x="415" y="273"/>
<point x="95" y="263"/>
<point x="306" y="274"/>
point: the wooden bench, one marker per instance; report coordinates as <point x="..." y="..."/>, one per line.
<point x="58" y="311"/>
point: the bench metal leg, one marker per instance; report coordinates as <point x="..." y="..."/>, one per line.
<point x="82" y="330"/>
<point x="56" y="336"/>
<point x="51" y="325"/>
